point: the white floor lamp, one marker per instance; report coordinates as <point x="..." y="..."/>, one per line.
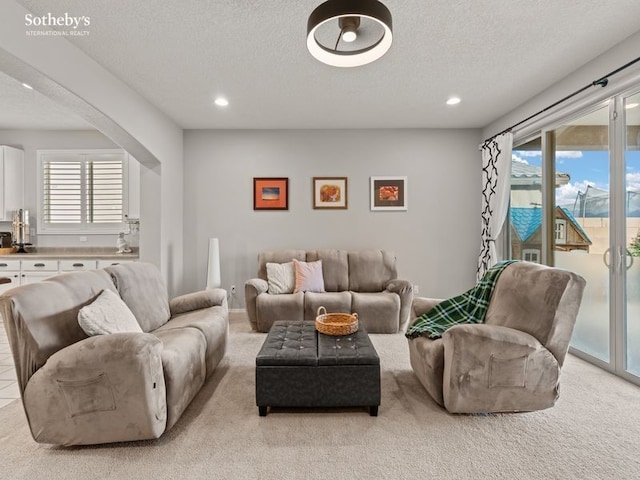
<point x="213" y="264"/>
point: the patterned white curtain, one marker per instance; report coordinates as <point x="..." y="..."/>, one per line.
<point x="496" y="187"/>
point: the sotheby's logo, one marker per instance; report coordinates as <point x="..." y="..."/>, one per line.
<point x="51" y="25"/>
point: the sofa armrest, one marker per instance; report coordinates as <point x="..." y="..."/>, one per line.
<point x="491" y="368"/>
<point x="422" y="305"/>
<point x="214" y="297"/>
<point x="252" y="288"/>
<point x="404" y="289"/>
<point x="107" y="388"/>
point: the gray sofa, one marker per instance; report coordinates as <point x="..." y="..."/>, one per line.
<point x="117" y="387"/>
<point x="363" y="282"/>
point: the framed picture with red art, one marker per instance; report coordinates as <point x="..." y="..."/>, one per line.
<point x="330" y="192"/>
<point x="389" y="193"/>
<point x="270" y="193"/>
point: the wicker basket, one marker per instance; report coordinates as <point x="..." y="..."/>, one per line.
<point x="336" y="323"/>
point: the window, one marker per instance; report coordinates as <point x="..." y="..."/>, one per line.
<point x="531" y="255"/>
<point x="82" y="191"/>
<point x="561" y="231"/>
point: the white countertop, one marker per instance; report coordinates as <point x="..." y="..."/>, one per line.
<point x="61" y="253"/>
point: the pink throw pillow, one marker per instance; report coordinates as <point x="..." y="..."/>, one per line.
<point x="308" y="276"/>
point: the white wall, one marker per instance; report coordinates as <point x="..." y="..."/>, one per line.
<point x="32" y="140"/>
<point x="436" y="241"/>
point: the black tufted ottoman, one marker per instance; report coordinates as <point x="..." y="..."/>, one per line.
<point x="299" y="367"/>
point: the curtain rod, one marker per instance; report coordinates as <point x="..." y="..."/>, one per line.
<point x="601" y="82"/>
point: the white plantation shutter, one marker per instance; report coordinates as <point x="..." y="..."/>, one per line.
<point x="104" y="196"/>
<point x="62" y="192"/>
<point x="82" y="191"/>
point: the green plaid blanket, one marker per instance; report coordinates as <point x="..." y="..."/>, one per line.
<point x="470" y="307"/>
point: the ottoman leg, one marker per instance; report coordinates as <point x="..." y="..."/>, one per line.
<point x="262" y="411"/>
<point x="373" y="410"/>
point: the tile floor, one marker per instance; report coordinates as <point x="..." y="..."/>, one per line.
<point x="8" y="384"/>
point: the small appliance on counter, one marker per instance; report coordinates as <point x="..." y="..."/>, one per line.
<point x="6" y="243"/>
<point x="5" y="240"/>
<point x="21" y="230"/>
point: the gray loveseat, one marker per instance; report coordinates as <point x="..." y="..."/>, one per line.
<point x="118" y="387"/>
<point x="363" y="282"/>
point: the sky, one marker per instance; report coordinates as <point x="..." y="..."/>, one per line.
<point x="585" y="168"/>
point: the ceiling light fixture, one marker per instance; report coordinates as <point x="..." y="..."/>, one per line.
<point x="453" y="101"/>
<point x="221" y="102"/>
<point x="350" y="15"/>
<point x="349" y="28"/>
<point x="27" y="86"/>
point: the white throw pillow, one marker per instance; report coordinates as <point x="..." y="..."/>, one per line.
<point x="107" y="314"/>
<point x="281" y="278"/>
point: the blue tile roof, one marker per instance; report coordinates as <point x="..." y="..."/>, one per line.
<point x="525" y="221"/>
<point x="575" y="223"/>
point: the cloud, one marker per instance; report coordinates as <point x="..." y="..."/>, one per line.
<point x="516" y="158"/>
<point x="559" y="153"/>
<point x="566" y="194"/>
<point x="520" y="155"/>
<point x="529" y="153"/>
<point x="633" y="181"/>
<point x="568" y="154"/>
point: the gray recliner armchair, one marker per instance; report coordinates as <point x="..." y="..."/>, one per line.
<point x="512" y="361"/>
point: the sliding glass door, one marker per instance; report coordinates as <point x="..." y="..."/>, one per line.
<point x="581" y="221"/>
<point x="631" y="327"/>
<point x="575" y="204"/>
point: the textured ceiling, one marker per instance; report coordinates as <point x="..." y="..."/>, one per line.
<point x="494" y="54"/>
<point x="23" y="109"/>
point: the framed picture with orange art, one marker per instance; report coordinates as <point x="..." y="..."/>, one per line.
<point x="389" y="193"/>
<point x="330" y="193"/>
<point x="270" y="193"/>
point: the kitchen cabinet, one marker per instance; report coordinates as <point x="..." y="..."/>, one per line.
<point x="33" y="270"/>
<point x="9" y="269"/>
<point x="75" y="265"/>
<point x="11" y="181"/>
<point x="108" y="263"/>
<point x="37" y="270"/>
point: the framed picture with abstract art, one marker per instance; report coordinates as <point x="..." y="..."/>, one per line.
<point x="330" y="192"/>
<point x="270" y="193"/>
<point x="388" y="193"/>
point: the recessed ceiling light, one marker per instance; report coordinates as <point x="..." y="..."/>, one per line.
<point x="27" y="86"/>
<point x="631" y="105"/>
<point x="221" y="102"/>
<point x="453" y="101"/>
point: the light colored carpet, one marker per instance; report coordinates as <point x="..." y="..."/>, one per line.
<point x="593" y="432"/>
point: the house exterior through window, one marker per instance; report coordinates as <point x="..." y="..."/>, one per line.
<point x="531" y="255"/>
<point x="561" y="231"/>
